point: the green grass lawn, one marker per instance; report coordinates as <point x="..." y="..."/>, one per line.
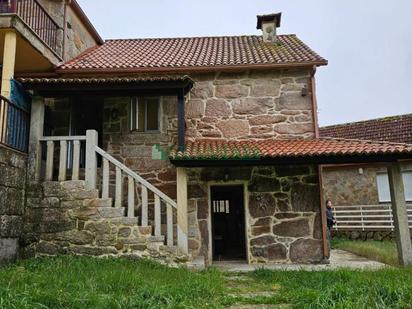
<point x="382" y="251"/>
<point x="82" y="282"/>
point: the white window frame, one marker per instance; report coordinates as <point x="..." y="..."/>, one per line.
<point x="134" y="122"/>
<point x="382" y="184"/>
<point x="407" y="185"/>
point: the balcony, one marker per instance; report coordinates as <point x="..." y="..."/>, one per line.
<point x="35" y="17"/>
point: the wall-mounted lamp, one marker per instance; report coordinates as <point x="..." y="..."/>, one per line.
<point x="226" y="176"/>
<point x="114" y="113"/>
<point x="304" y="91"/>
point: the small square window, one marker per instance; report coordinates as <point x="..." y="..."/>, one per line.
<point x="145" y="114"/>
<point x="221" y="207"/>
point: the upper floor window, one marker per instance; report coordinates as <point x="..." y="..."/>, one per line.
<point x="145" y="114"/>
<point x="383" y="186"/>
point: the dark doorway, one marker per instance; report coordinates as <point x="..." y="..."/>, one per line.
<point x="87" y="114"/>
<point x="228" y="223"/>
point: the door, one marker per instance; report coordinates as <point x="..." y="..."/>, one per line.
<point x="86" y="114"/>
<point x="228" y="222"/>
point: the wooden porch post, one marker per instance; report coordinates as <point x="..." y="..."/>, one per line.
<point x="36" y="132"/>
<point x="400" y="215"/>
<point x="325" y="241"/>
<point x="182" y="220"/>
<point x="91" y="158"/>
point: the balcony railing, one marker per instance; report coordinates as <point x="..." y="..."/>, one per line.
<point x="36" y="17"/>
<point x="14" y="125"/>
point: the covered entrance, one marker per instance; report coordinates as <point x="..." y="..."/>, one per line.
<point x="228" y="222"/>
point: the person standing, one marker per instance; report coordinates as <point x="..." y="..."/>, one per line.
<point x="330" y="221"/>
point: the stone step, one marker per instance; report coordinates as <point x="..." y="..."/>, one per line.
<point x="125" y="221"/>
<point x="160" y="239"/>
<point x="111" y="212"/>
<point x="98" y="202"/>
<point x="145" y="230"/>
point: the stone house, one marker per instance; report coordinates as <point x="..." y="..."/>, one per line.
<point x="184" y="149"/>
<point x="367" y="184"/>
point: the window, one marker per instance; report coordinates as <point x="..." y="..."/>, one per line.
<point x="221" y="207"/>
<point x="383" y="186"/>
<point x="407" y="183"/>
<point x="145" y="114"/>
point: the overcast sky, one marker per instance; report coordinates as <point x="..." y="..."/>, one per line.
<point x="368" y="42"/>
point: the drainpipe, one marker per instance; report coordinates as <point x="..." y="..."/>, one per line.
<point x="326" y="249"/>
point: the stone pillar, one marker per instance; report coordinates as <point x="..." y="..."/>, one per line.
<point x="9" y="59"/>
<point x="36" y="132"/>
<point x="182" y="215"/>
<point x="400" y="215"/>
<point x="91" y="159"/>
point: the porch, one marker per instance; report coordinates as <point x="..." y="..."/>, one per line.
<point x="116" y="188"/>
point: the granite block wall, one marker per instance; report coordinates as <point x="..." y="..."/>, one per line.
<point x="282" y="212"/>
<point x="12" y="194"/>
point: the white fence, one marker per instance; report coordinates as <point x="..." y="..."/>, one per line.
<point x="366" y="217"/>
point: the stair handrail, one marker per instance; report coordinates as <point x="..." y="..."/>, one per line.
<point x="134" y="175"/>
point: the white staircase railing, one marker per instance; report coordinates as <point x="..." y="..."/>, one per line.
<point x="83" y="150"/>
<point x="137" y="182"/>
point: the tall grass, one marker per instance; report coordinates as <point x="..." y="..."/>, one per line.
<point x="386" y="288"/>
<point x="84" y="282"/>
<point x="81" y="282"/>
<point x="382" y="251"/>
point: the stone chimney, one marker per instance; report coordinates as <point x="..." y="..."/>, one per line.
<point x="268" y="24"/>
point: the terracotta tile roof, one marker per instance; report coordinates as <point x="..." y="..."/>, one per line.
<point x="260" y="149"/>
<point x="396" y="129"/>
<point x="98" y="80"/>
<point x="150" y="55"/>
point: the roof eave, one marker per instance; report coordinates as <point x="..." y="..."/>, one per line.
<point x="191" y="69"/>
<point x="295" y="160"/>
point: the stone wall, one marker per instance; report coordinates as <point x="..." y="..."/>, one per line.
<point x="346" y="186"/>
<point x="282" y="212"/>
<point x="78" y="38"/>
<point x="12" y="182"/>
<point x="66" y="218"/>
<point x="138" y="150"/>
<point x="365" y="235"/>
<point x="354" y="185"/>
<point x="267" y="104"/>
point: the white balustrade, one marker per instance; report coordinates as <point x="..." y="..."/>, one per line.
<point x="70" y="157"/>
